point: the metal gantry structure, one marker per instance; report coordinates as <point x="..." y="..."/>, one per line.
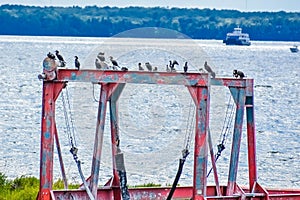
<point x="112" y="83"/>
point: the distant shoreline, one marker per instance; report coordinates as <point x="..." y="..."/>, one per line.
<point x="93" y="21"/>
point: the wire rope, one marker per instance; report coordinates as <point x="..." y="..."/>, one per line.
<point x="71" y="118"/>
<point x="225" y="130"/>
<point x="72" y="140"/>
<point x="189" y="128"/>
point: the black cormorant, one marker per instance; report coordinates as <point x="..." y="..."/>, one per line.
<point x="114" y="62"/>
<point x="237" y="74"/>
<point x="140" y="67"/>
<point x="172" y="64"/>
<point x="51" y="55"/>
<point x="185" y="68"/>
<point x="60" y="58"/>
<point x="77" y="63"/>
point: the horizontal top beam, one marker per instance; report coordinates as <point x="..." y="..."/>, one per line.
<point x="145" y="77"/>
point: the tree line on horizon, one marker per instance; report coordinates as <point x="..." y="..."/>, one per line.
<point x="93" y="21"/>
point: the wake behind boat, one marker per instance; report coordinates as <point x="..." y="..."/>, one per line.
<point x="237" y="38"/>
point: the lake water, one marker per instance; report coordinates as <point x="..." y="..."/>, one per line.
<point x="153" y="119"/>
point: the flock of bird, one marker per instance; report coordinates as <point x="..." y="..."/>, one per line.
<point x="62" y="62"/>
<point x="101" y="64"/>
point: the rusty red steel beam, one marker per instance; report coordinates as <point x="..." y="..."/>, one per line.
<point x="201" y="98"/>
<point x="115" y="140"/>
<point x="104" y="97"/>
<point x="50" y="94"/>
<point x="239" y="96"/>
<point x="155" y="193"/>
<point x="143" y="77"/>
<point x="148" y="193"/>
<point x="112" y="76"/>
<point x="251" y="138"/>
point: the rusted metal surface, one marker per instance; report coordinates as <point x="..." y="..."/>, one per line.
<point x="251" y="141"/>
<point x="141" y="77"/>
<point x="238" y="95"/>
<point x="112" y="84"/>
<point x="154" y="193"/>
<point x="201" y="98"/>
<point x="104" y="97"/>
<point x="48" y="130"/>
<point x="115" y="140"/>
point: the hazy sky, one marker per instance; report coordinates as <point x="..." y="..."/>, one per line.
<point x="242" y="5"/>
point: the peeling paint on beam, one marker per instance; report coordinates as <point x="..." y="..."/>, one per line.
<point x="110" y="76"/>
<point x="142" y="77"/>
<point x="229" y="82"/>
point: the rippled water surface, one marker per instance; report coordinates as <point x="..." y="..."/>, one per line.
<point x="154" y="119"/>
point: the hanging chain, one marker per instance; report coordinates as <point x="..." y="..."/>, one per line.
<point x="70" y="128"/>
<point x="72" y="140"/>
<point x="71" y="118"/>
<point x="189" y="131"/>
<point x="225" y="130"/>
<point x="67" y="120"/>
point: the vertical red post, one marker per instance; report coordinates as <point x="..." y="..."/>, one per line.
<point x="251" y="136"/>
<point x="239" y="98"/>
<point x="201" y="97"/>
<point x="115" y="140"/>
<point x="105" y="93"/>
<point x="51" y="91"/>
<point x="99" y="139"/>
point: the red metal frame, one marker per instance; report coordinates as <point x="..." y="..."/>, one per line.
<point x="198" y="84"/>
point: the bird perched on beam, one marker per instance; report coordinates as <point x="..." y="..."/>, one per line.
<point x="237" y="74"/>
<point x="172" y="65"/>
<point x="149" y="66"/>
<point x="209" y="70"/>
<point x="167" y="68"/>
<point x="77" y="63"/>
<point x="140" y="67"/>
<point x="114" y="63"/>
<point x="97" y="64"/>
<point x="51" y="55"/>
<point x="100" y="56"/>
<point x="60" y="58"/>
<point x="185" y="68"/>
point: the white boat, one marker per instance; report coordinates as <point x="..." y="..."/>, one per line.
<point x="237" y="38"/>
<point x="294" y="49"/>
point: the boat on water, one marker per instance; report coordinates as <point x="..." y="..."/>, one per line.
<point x="294" y="49"/>
<point x="237" y="38"/>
